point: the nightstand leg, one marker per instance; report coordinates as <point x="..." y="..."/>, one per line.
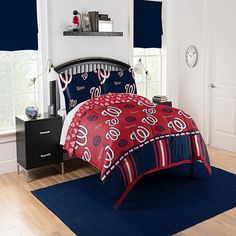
<point x="62" y="168"/>
<point x="27" y="176"/>
<point x="18" y="169"/>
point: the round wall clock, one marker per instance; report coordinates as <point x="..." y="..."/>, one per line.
<point x="191" y="56"/>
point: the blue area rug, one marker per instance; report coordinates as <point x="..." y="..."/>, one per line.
<point x="163" y="203"/>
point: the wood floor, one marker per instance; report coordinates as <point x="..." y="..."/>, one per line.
<point x="22" y="214"/>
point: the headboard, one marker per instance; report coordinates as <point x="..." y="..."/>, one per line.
<point x="82" y="65"/>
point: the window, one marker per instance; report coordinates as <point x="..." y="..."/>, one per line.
<point x="152" y="60"/>
<point x="16" y="69"/>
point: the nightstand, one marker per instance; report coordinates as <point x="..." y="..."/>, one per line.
<point x="37" y="142"/>
<point x="167" y="103"/>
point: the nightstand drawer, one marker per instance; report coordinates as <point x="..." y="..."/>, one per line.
<point x="43" y="157"/>
<point x="43" y="131"/>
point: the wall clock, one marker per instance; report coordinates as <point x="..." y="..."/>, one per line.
<point x="191" y="56"/>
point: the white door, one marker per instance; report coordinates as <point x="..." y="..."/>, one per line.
<point x="223" y="87"/>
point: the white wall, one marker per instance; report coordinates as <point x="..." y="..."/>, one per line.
<point x="171" y="47"/>
<point x="192" y="31"/>
<point x="7" y="157"/>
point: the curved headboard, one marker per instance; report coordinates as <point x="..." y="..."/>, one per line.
<point x="82" y="65"/>
<point x="91" y="63"/>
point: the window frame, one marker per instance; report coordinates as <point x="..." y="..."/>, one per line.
<point x="9" y="135"/>
<point x="162" y="76"/>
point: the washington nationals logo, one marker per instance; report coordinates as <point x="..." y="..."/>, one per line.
<point x="95" y="91"/>
<point x="132" y="71"/>
<point x="109" y="157"/>
<point x="177" y="124"/>
<point x="112" y="122"/>
<point x="84" y="76"/>
<point x="150" y="119"/>
<point x="82" y="136"/>
<point x="130" y="88"/>
<point x="121" y="73"/>
<point x="111" y="111"/>
<point x="103" y="75"/>
<point x="181" y="113"/>
<point x="141" y="134"/>
<point x="149" y="111"/>
<point x="66" y="79"/>
<point x="113" y="134"/>
<point x="87" y="155"/>
<point x="146" y="104"/>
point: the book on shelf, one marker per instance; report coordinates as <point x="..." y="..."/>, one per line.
<point x="93" y="16"/>
<point x="103" y="17"/>
<point x="105" y="26"/>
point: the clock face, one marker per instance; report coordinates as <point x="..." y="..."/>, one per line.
<point x="191" y="56"/>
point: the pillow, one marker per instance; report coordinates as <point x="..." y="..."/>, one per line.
<point x="117" y="81"/>
<point x="79" y="87"/>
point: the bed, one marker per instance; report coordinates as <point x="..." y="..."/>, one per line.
<point x="122" y="134"/>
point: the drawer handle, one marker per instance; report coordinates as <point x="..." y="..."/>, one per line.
<point x="45" y="155"/>
<point x="44" y="132"/>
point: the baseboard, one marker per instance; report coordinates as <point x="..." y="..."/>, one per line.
<point x="7" y="166"/>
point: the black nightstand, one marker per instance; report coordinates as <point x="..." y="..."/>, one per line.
<point x="37" y="142"/>
<point x="167" y="103"/>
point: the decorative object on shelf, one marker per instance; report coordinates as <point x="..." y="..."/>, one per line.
<point x="191" y="56"/>
<point x="139" y="68"/>
<point x="76" y="21"/>
<point x="86" y="25"/>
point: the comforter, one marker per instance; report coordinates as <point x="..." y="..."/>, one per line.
<point x="126" y="136"/>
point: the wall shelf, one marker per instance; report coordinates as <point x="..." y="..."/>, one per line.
<point x="77" y="33"/>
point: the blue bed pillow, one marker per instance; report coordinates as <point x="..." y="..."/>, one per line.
<point x="79" y="87"/>
<point x="118" y="82"/>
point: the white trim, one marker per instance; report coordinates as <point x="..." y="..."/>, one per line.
<point x="7" y="166"/>
<point x="207" y="71"/>
<point x="7" y="137"/>
<point x="131" y="31"/>
<point x="43" y="51"/>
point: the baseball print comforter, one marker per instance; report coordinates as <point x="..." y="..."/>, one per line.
<point x="126" y="136"/>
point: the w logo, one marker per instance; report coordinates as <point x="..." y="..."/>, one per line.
<point x="95" y="92"/>
<point x="103" y="75"/>
<point x="130" y="88"/>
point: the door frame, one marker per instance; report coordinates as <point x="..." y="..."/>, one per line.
<point x="208" y="73"/>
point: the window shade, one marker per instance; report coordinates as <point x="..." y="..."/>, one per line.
<point x="147" y="24"/>
<point x="18" y="25"/>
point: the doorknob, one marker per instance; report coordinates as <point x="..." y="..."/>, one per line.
<point x="213" y="85"/>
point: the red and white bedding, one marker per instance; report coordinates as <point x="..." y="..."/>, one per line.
<point x="126" y="136"/>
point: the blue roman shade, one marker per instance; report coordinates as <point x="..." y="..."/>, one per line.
<point x="18" y="25"/>
<point x="147" y="24"/>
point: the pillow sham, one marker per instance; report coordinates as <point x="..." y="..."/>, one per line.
<point x="79" y="87"/>
<point x="117" y="81"/>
